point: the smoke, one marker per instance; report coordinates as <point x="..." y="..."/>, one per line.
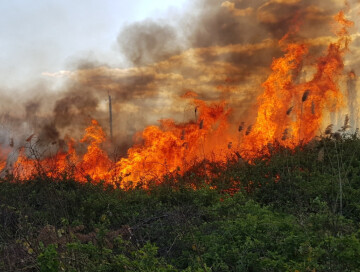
<point x="147" y="42"/>
<point x="221" y="50"/>
<point x="352" y="99"/>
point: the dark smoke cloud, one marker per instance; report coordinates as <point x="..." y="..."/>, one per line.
<point x="148" y="41"/>
<point x="209" y="26"/>
<point x="219" y="49"/>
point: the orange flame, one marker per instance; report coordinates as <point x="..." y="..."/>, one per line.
<point x="95" y="163"/>
<point x="170" y="147"/>
<point x="289" y="113"/>
<point x="165" y="148"/>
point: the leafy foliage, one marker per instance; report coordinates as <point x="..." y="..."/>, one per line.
<point x="291" y="211"/>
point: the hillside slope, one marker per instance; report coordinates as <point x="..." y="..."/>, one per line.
<point x="293" y="211"/>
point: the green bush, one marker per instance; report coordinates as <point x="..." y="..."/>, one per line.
<point x="48" y="260"/>
<point x="294" y="210"/>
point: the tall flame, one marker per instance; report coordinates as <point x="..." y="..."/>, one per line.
<point x="290" y="112"/>
<point x="172" y="146"/>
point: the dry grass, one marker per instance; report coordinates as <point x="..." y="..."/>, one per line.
<point x="241" y="126"/>
<point x="328" y="129"/>
<point x="248" y="130"/>
<point x="285" y="135"/>
<point x="289" y="110"/>
<point x="305" y="95"/>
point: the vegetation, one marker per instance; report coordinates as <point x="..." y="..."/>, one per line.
<point x="289" y="211"/>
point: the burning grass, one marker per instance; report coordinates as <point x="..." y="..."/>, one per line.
<point x="290" y="113"/>
<point x="198" y="219"/>
<point x="205" y="195"/>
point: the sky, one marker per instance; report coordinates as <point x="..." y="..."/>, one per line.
<point x="47" y="36"/>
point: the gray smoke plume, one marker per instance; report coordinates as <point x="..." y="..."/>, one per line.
<point x="222" y="50"/>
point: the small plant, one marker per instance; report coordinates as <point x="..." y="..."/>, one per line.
<point x="48" y="260"/>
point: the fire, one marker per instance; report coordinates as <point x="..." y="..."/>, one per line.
<point x="290" y="112"/>
<point x="28" y="166"/>
<point x="2" y="160"/>
<point x="172" y="146"/>
<point x="2" y="165"/>
<point x="95" y="163"/>
<point x="164" y="149"/>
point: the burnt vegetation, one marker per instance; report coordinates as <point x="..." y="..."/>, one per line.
<point x="223" y="204"/>
<point x="292" y="210"/>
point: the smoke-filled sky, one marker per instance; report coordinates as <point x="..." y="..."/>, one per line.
<point x="49" y="35"/>
<point x="59" y="59"/>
